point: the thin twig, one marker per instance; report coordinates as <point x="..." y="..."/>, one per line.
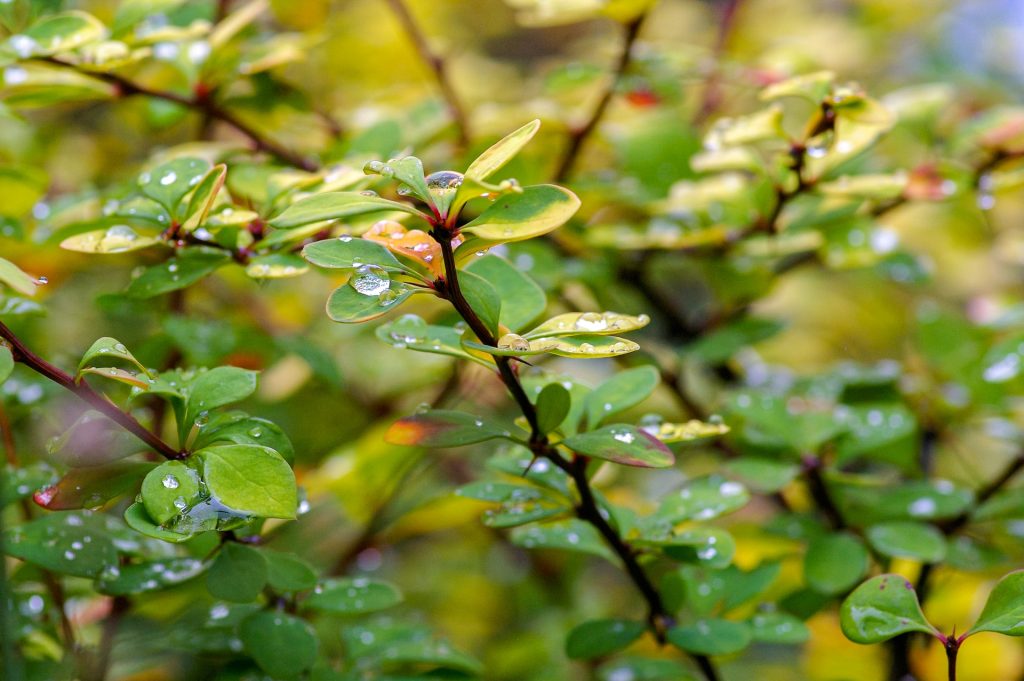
<point x="711" y="98"/>
<point x="587" y="509"/>
<point x="202" y="103"/>
<point x="578" y="136"/>
<point x="438" y="65"/>
<point x="85" y="392"/>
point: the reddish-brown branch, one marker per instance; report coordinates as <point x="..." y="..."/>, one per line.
<point x="578" y="136"/>
<point x="85" y="392"/>
<point x="587" y="508"/>
<point x="438" y="65"/>
<point x="201" y="103"/>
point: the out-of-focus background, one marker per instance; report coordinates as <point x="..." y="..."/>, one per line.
<point x="350" y="65"/>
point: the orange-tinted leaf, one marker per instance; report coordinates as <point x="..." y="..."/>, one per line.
<point x="92" y="487"/>
<point x="442" y="428"/>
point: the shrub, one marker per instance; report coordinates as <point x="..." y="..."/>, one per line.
<point x="229" y="486"/>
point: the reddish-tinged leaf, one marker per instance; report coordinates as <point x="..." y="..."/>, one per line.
<point x="92" y="487"/>
<point x="441" y="428"/>
<point x="623" y="444"/>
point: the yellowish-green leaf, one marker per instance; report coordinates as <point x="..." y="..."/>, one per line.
<point x="113" y="239"/>
<point x="334" y="205"/>
<point x="690" y="431"/>
<point x="811" y="86"/>
<point x="503" y="151"/>
<point x="536" y="210"/>
<point x="13" y="276"/>
<point x="593" y="323"/>
<point x="204" y="196"/>
<point x="57" y="33"/>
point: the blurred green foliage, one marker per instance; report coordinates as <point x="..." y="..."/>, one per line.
<point x="783" y="235"/>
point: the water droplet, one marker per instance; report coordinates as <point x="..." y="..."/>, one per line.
<point x="169" y="178"/>
<point x="625" y="437"/>
<point x="370" y="280"/>
<point x="514" y="342"/>
<point x="170" y="482"/>
<point x="591" y="321"/>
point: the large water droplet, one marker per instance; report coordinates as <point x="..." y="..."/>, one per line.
<point x="591" y="321"/>
<point x="370" y="280"/>
<point x="514" y="342"/>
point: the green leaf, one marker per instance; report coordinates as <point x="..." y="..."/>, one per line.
<point x="75" y="544"/>
<point x="12" y="275"/>
<point x="536" y="210"/>
<point x="6" y="363"/>
<point x="347" y="305"/>
<point x="567" y="535"/>
<point x="289" y="572"/>
<point x="215" y="388"/>
<point x="276" y="266"/>
<point x="578" y="347"/>
<point x="442" y="428"/>
<point x="798" y="425"/>
<point x="501" y="152"/>
<point x="721" y="344"/>
<point x="334" y="205"/>
<point x="92" y="487"/>
<point x="811" y="86"/>
<point x="119" y="375"/>
<point x="112" y="348"/>
<point x="598" y="638"/>
<point x="151" y="576"/>
<point x="248" y="430"/>
<point x="591" y="323"/>
<point x="204" y="196"/>
<point x="281" y="644"/>
<point x="622" y="444"/>
<point x="834" y="562"/>
<point x="412" y="332"/>
<point x="914" y="500"/>
<point x="168" y="183"/>
<point x="522" y="300"/>
<point x="778" y="627"/>
<point x="16" y="306"/>
<point x="1007" y="503"/>
<point x="483" y="298"/>
<point x="238" y="573"/>
<point x="553" y="404"/>
<point x="348" y="252"/>
<point x="710" y="637"/>
<point x="250" y="479"/>
<point x="113" y="239"/>
<point x="762" y="474"/>
<point x="643" y="669"/>
<point x="908" y="540"/>
<point x="169" y="489"/>
<point x="190" y="265"/>
<point x="519" y="504"/>
<point x="353" y="596"/>
<point x="702" y="499"/>
<point x="1004" y="610"/>
<point x="881" y="608"/>
<point x="623" y="390"/>
<point x="20" y="482"/>
<point x="57" y="33"/>
<point x="407" y="170"/>
<point x="708" y="546"/>
<point x="137" y="519"/>
<point x="690" y="432"/>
